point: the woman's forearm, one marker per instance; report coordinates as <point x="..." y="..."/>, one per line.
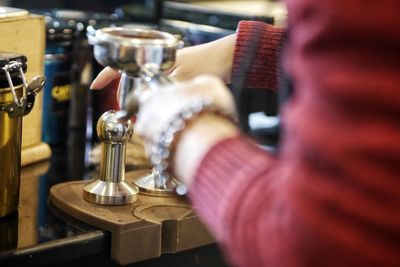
<point x="201" y="135"/>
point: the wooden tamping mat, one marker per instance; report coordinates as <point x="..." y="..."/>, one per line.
<point x="151" y="226"/>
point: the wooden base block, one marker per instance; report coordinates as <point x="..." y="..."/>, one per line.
<point x="143" y="230"/>
<point x="35" y="153"/>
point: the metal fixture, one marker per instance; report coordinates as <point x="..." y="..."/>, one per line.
<point x="141" y="55"/>
<point x="111" y="188"/>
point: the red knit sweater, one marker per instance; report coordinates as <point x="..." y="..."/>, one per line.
<point x="332" y="195"/>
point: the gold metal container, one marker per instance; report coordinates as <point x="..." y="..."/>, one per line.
<point x="10" y="154"/>
<point x="17" y="99"/>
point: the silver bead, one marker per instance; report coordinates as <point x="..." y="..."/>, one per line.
<point x="164" y="153"/>
<point x="181" y="190"/>
<point x="177" y="125"/>
<point x="198" y="106"/>
<point x="163" y="164"/>
<point x="187" y="114"/>
<point x="167" y="138"/>
<point x="155" y="159"/>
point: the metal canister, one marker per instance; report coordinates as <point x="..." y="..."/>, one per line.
<point x="16" y="100"/>
<point x="57" y="92"/>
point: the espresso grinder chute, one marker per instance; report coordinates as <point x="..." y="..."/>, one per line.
<point x="140" y="56"/>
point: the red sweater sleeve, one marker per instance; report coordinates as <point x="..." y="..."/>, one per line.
<point x="261" y="44"/>
<point x="331" y="197"/>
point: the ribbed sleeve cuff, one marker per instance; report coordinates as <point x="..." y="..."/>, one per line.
<point x="261" y="45"/>
<point x="222" y="172"/>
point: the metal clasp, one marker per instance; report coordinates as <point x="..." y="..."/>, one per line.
<point x="24" y="105"/>
<point x="11" y="66"/>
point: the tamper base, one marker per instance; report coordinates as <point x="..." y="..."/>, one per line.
<point x="147" y="185"/>
<point x="108" y="193"/>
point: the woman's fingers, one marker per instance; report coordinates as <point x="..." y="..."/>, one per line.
<point x="104" y="78"/>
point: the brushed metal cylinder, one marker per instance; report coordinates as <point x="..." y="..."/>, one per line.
<point x="112" y="165"/>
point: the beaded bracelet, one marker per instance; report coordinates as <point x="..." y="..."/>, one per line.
<point x="163" y="144"/>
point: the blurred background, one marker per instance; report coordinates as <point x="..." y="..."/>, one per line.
<point x="70" y="110"/>
<point x="207" y="12"/>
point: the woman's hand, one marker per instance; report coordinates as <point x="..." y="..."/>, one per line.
<point x="157" y="108"/>
<point x="214" y="58"/>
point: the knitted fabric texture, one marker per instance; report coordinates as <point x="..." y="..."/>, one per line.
<point x="332" y="195"/>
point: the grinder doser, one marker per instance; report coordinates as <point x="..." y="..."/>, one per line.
<point x="140" y="56"/>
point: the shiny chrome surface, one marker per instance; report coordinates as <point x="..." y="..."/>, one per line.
<point x="131" y="88"/>
<point x="129" y="49"/>
<point x="110" y="130"/>
<point x="113" y="135"/>
<point x="141" y="55"/>
<point x="150" y="185"/>
<point x="111" y="188"/>
<point x="37" y="84"/>
<point x="127" y="85"/>
<point x="33" y="88"/>
<point x="137" y="53"/>
<point x="109" y="193"/>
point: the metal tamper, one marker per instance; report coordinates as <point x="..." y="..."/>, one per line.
<point x="140" y="56"/>
<point x="111" y="188"/>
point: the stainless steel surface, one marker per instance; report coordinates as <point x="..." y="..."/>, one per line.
<point x="126" y="85"/>
<point x="141" y="55"/>
<point x="128" y="49"/>
<point x="33" y="88"/>
<point x="153" y="77"/>
<point x="151" y="185"/>
<point x="130" y="88"/>
<point x="114" y="135"/>
<point x="111" y="188"/>
<point x="108" y="193"/>
<point x="110" y="130"/>
<point x="135" y="53"/>
<point x="36" y="85"/>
